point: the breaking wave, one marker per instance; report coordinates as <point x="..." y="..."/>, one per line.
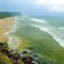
<point x="56" y="32"/>
<point x="38" y="20"/>
<point x="13" y="41"/>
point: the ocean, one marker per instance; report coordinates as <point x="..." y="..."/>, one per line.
<point x="54" y="26"/>
<point x="44" y="34"/>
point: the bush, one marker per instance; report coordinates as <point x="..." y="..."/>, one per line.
<point x="4" y="59"/>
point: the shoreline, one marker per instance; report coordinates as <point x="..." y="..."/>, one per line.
<point x="5" y="27"/>
<point x="10" y="26"/>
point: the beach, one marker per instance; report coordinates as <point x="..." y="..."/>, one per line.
<point x="5" y="26"/>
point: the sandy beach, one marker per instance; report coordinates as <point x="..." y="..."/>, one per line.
<point x="5" y="26"/>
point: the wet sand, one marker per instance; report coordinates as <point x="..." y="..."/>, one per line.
<point x="5" y="26"/>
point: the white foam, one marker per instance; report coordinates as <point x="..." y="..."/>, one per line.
<point x="13" y="42"/>
<point x="41" y="28"/>
<point x="38" y="20"/>
<point x="62" y="28"/>
<point x="56" y="32"/>
<point x="53" y="31"/>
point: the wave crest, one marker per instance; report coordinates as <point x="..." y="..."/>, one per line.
<point x="55" y="32"/>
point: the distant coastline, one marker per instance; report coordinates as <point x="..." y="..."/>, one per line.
<point x="9" y="14"/>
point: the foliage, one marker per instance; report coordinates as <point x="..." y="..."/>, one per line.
<point x="8" y="14"/>
<point x="4" y="59"/>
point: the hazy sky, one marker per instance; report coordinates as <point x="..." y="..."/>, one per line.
<point x="34" y="7"/>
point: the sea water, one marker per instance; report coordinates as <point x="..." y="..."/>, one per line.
<point x="54" y="26"/>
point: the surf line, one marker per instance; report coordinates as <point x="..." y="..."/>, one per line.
<point x="13" y="42"/>
<point x="54" y="36"/>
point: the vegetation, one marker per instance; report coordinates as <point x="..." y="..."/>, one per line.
<point x="8" y="14"/>
<point x="4" y="59"/>
<point x="24" y="57"/>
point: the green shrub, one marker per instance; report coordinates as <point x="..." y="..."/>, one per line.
<point x="4" y="59"/>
